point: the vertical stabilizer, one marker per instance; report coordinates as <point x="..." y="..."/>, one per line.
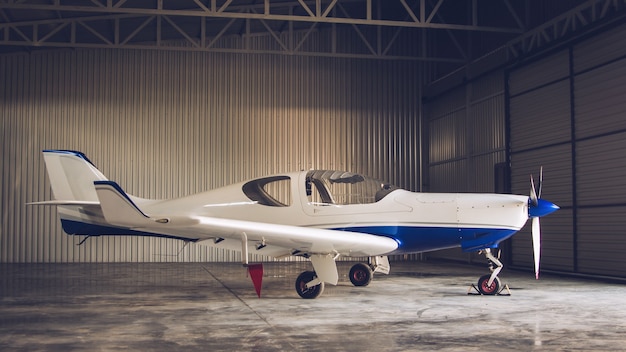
<point x="72" y="175"/>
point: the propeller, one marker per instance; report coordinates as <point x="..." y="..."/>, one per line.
<point x="536" y="209"/>
<point x="536" y="229"/>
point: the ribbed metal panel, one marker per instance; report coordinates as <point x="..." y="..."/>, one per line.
<point x="541" y="117"/>
<point x="557" y="229"/>
<point x="487" y="126"/>
<point x="557" y="244"/>
<point x="451" y="101"/>
<point x="601" y="241"/>
<point x="601" y="166"/>
<point x="169" y="124"/>
<point x="448" y="137"/>
<point x="466" y="136"/>
<point x="600" y="104"/>
<point x="488" y="86"/>
<point x="531" y="76"/>
<point x="601" y="49"/>
<point x="480" y="177"/>
<point x="449" y="177"/>
<point x="557" y="173"/>
<point x="541" y="125"/>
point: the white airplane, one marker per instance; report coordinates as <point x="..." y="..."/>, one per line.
<point x="318" y="214"/>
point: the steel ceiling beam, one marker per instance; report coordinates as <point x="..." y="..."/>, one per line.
<point x="64" y="22"/>
<point x="313" y="11"/>
<point x="564" y="25"/>
<point x="84" y="30"/>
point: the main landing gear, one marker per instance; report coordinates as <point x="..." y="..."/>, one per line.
<point x="309" y="285"/>
<point x="361" y="274"/>
<point x="313" y="289"/>
<point x="490" y="284"/>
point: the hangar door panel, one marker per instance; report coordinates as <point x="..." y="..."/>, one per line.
<point x="601" y="168"/>
<point x="539" y="73"/>
<point x="557" y="243"/>
<point x="599" y="98"/>
<point x="541" y="116"/>
<point x="601" y="179"/>
<point x="601" y="243"/>
<point x="540" y="135"/>
<point x="582" y="154"/>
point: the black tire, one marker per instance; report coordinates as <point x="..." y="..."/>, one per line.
<point x="308" y="292"/>
<point x="484" y="289"/>
<point x="360" y="274"/>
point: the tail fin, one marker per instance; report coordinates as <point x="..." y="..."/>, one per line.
<point x="72" y="175"/>
<point x="76" y="184"/>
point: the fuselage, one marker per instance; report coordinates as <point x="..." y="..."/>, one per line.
<point x="417" y="221"/>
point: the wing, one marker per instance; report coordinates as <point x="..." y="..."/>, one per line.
<point x="264" y="238"/>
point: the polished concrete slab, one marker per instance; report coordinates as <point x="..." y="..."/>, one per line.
<point x="420" y="306"/>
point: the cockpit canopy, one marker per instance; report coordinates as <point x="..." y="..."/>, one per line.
<point x="323" y="187"/>
<point x="339" y="187"/>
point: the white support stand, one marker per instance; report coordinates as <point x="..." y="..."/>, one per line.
<point x="244" y="249"/>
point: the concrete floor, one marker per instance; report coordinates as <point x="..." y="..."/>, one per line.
<point x="213" y="307"/>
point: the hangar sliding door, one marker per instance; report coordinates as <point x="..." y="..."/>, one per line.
<point x="599" y="67"/>
<point x="540" y="120"/>
<point x="566" y="113"/>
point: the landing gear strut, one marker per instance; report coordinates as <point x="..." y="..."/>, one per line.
<point x="490" y="284"/>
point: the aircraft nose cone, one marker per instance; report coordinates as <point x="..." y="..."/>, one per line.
<point x="542" y="208"/>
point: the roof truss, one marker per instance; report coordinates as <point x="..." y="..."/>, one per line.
<point x="201" y="24"/>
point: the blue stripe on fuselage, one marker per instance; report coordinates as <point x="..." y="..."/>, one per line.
<point x="413" y="239"/>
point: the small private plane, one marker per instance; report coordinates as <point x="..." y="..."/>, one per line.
<point x="317" y="214"/>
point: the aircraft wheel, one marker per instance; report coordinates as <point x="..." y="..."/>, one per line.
<point x="360" y="274"/>
<point x="485" y="289"/>
<point x="308" y="292"/>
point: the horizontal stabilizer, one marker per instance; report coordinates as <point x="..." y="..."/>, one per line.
<point x="118" y="208"/>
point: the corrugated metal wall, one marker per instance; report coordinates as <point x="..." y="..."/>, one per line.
<point x="466" y="131"/>
<point x="567" y="114"/>
<point x="169" y="124"/>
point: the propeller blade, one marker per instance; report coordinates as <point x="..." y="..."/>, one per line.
<point x="533" y="193"/>
<point x="536" y="233"/>
<point x="540" y="182"/>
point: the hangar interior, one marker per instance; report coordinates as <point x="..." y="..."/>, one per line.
<point x="170" y="98"/>
<point x="174" y="98"/>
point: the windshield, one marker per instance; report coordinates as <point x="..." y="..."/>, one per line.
<point x="340" y="187"/>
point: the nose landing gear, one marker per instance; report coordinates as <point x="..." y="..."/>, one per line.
<point x="490" y="284"/>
